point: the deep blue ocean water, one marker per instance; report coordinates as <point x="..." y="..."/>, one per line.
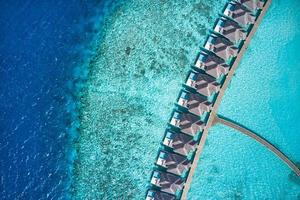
<point x="44" y="51"/>
<point x="65" y="70"/>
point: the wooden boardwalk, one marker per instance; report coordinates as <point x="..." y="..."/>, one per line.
<point x="261" y="140"/>
<point x="218" y="101"/>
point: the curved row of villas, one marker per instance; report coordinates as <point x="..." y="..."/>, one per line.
<point x="198" y="96"/>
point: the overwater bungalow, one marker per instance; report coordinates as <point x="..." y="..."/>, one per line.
<point x="203" y="83"/>
<point x="167" y="182"/>
<point x="194" y="103"/>
<point x="158" y="195"/>
<point x="221" y="46"/>
<point x="230" y="29"/>
<point x="239" y="13"/>
<point x="187" y="123"/>
<point x="254" y="5"/>
<point x="180" y="143"/>
<point x="173" y="163"/>
<point x="212" y="64"/>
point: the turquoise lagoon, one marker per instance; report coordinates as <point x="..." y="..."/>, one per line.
<point x="264" y="96"/>
<point x="143" y="56"/>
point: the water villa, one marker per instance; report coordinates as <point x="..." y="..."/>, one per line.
<point x="204" y="84"/>
<point x="230" y="29"/>
<point x="212" y="64"/>
<point x="239" y="13"/>
<point x="194" y="103"/>
<point x="221" y="46"/>
<point x="187" y="129"/>
<point x="167" y="182"/>
<point x="179" y="143"/>
<point x="173" y="163"/>
<point x="157" y="195"/>
<point x="254" y="5"/>
<point x="187" y="123"/>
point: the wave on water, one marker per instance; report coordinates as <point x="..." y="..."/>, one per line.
<point x="45" y="51"/>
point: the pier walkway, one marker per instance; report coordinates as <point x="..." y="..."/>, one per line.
<point x="219" y="99"/>
<point x="260" y="139"/>
<point x="197" y="105"/>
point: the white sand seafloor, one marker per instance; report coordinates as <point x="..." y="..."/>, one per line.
<point x="143" y="57"/>
<point x="135" y="77"/>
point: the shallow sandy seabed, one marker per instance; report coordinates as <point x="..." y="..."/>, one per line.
<point x="142" y="59"/>
<point x="141" y="62"/>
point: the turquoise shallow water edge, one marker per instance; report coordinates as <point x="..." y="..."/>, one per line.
<point x="142" y="58"/>
<point x="264" y="96"/>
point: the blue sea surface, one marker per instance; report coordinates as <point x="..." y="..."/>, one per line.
<point x="87" y="88"/>
<point x="44" y="51"/>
